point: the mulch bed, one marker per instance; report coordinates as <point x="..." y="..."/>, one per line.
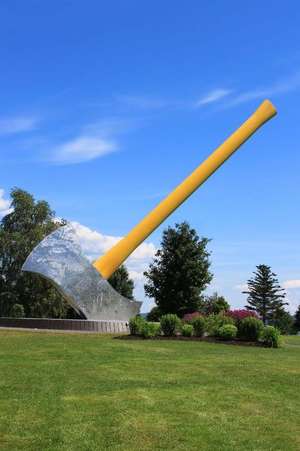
<point x="181" y="338"/>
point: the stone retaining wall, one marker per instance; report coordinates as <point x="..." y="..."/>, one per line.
<point x="104" y="327"/>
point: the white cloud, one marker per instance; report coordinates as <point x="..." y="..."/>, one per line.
<point x="4" y="204"/>
<point x="293" y="299"/>
<point x="9" y="126"/>
<point x="83" y="148"/>
<point x="213" y="96"/>
<point x="289" y="284"/>
<point x="281" y="87"/>
<point x="241" y="287"/>
<point x="94" y="141"/>
<point x="94" y="244"/>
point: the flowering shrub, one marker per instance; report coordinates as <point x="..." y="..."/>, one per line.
<point x="240" y="314"/>
<point x="188" y="317"/>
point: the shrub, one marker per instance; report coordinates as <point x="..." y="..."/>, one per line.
<point x="199" y="326"/>
<point x="270" y="337"/>
<point x="189" y="317"/>
<point x="214" y="322"/>
<point x="239" y="314"/>
<point x="136" y="325"/>
<point x="169" y="324"/>
<point x="250" y="328"/>
<point x="17" y="311"/>
<point x="227" y="332"/>
<point x="187" y="330"/>
<point x="150" y="330"/>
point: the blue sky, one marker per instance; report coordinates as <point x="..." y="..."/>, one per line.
<point x="106" y="106"/>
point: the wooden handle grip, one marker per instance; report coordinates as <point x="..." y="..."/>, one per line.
<point x="109" y="262"/>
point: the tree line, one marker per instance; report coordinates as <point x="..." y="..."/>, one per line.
<point x="176" y="279"/>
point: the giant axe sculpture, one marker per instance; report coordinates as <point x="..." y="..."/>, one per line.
<point x="59" y="257"/>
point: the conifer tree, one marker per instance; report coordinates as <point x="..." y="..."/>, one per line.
<point x="265" y="296"/>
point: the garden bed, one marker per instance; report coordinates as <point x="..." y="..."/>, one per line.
<point x="203" y="339"/>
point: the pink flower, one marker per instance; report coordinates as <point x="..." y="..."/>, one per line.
<point x="240" y="314"/>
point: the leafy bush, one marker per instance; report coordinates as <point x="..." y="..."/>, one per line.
<point x="270" y="337"/>
<point x="214" y="322"/>
<point x="150" y="330"/>
<point x="169" y="324"/>
<point x="250" y="328"/>
<point x="136" y="325"/>
<point x="189" y="317"/>
<point x="199" y="326"/>
<point x="227" y="332"/>
<point x="187" y="330"/>
<point x="17" y="311"/>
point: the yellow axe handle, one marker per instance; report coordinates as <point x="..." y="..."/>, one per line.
<point x="109" y="262"/>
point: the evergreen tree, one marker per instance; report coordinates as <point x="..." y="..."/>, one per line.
<point x="121" y="282"/>
<point x="297" y="319"/>
<point x="20" y="231"/>
<point x="265" y="296"/>
<point x="180" y="271"/>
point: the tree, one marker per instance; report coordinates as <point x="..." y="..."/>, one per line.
<point x="297" y="319"/>
<point x="180" y="271"/>
<point x="265" y="296"/>
<point x="283" y="321"/>
<point x="121" y="282"/>
<point x="154" y="314"/>
<point x="214" y="304"/>
<point x="20" y="231"/>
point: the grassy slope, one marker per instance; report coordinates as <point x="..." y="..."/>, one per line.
<point x="92" y="392"/>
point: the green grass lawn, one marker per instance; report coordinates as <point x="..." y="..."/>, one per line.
<point x="93" y="392"/>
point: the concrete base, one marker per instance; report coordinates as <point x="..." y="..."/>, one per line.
<point x="102" y="327"/>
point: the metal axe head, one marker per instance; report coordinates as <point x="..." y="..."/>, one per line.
<point x="59" y="258"/>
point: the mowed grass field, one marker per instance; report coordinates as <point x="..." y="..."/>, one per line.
<point x="93" y="392"/>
